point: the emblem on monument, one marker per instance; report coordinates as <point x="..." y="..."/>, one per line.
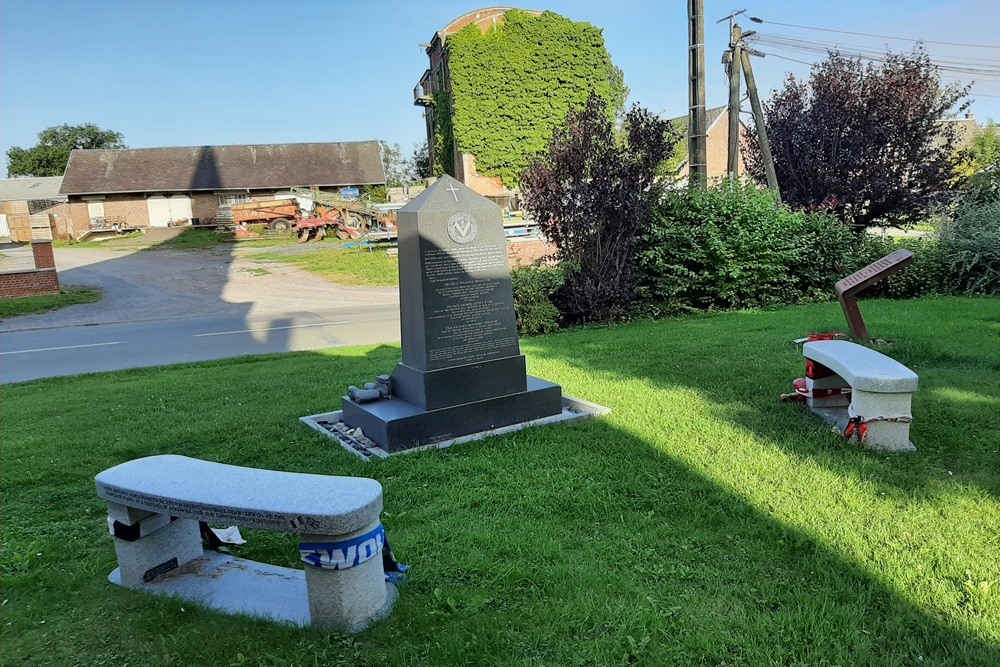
<point x="463" y="228"/>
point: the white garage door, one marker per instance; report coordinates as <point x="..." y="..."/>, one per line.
<point x="164" y="210"/>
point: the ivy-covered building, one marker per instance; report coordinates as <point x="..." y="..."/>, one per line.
<point x="499" y="81"/>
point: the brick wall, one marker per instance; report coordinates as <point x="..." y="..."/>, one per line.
<point x="64" y="223"/>
<point x="131" y="208"/>
<point x="528" y="253"/>
<point x="717" y="150"/>
<point x="79" y="219"/>
<point x="484" y="185"/>
<point x="33" y="282"/>
<point x="204" y="206"/>
<point x="40" y="280"/>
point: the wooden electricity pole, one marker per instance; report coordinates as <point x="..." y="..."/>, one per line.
<point x="737" y="58"/>
<point x="697" y="142"/>
<point x="758" y="116"/>
<point x="735" y="63"/>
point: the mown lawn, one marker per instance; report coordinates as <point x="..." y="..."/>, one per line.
<point x="344" y="266"/>
<point x="68" y="296"/>
<point x="701" y="523"/>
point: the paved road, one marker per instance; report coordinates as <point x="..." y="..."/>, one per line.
<point x="164" y="307"/>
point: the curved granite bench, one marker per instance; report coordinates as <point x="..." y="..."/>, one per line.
<point x="155" y="505"/>
<point x="881" y="392"/>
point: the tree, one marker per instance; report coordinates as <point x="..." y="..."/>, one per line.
<point x="593" y="192"/>
<point x="977" y="166"/>
<point x="420" y="161"/>
<point x="397" y="170"/>
<point x="864" y="142"/>
<point x="50" y="155"/>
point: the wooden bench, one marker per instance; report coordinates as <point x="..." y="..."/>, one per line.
<point x="880" y="397"/>
<point x="155" y="505"/>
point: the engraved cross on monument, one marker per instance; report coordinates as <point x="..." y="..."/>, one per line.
<point x="462" y="370"/>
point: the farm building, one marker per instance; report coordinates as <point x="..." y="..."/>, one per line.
<point x="32" y="208"/>
<point x="160" y="187"/>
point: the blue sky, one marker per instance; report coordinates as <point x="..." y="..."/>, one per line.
<point x="196" y="72"/>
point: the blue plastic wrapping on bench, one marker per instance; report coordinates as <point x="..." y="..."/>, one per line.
<point x="345" y="553"/>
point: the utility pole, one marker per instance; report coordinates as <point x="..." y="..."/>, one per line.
<point x="758" y="114"/>
<point x="735" y="62"/>
<point x="737" y="58"/>
<point x="697" y="140"/>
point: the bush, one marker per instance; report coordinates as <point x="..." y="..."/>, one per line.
<point x="533" y="290"/>
<point x="736" y="247"/>
<point x="926" y="275"/>
<point x="970" y="246"/>
<point x="593" y="194"/>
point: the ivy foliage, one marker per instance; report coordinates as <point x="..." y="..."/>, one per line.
<point x="444" y="138"/>
<point x="512" y="86"/>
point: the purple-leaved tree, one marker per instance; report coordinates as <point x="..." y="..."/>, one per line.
<point x="864" y="142"/>
<point x="593" y="193"/>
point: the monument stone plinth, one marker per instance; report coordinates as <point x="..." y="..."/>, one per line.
<point x="462" y="370"/>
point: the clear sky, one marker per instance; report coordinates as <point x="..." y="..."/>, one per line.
<point x="214" y="72"/>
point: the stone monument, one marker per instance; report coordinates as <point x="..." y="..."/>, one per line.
<point x="462" y="370"/>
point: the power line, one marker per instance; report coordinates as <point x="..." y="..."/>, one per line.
<point x="866" y="53"/>
<point x="814" y="44"/>
<point x="865" y="34"/>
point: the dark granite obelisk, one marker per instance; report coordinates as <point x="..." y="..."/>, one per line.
<point x="462" y="370"/>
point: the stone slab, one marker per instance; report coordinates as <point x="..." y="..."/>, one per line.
<point x="248" y="497"/>
<point x="828" y="401"/>
<point x="239" y="586"/>
<point x="573" y="409"/>
<point x="396" y="425"/>
<point x="432" y="390"/>
<point x="864" y="369"/>
<point x="828" y="382"/>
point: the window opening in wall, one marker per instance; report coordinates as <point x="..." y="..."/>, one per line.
<point x="225" y="200"/>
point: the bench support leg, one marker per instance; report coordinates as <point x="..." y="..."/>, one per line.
<point x="889" y="429"/>
<point x="165" y="549"/>
<point x="351" y="598"/>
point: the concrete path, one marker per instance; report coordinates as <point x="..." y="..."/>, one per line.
<point x="168" y="306"/>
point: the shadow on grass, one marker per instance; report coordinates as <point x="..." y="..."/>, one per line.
<point x="581" y="544"/>
<point x="742" y="362"/>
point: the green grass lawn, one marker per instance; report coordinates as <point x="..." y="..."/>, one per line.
<point x="69" y="295"/>
<point x="98" y="243"/>
<point x="701" y="523"/>
<point x="344" y="266"/>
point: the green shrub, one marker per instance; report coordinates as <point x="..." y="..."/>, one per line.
<point x="926" y="275"/>
<point x="970" y="247"/>
<point x="736" y="247"/>
<point x="533" y="289"/>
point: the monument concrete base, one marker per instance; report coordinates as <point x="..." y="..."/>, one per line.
<point x="331" y="424"/>
<point x="396" y="425"/>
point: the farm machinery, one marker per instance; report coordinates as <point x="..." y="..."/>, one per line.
<point x="344" y="217"/>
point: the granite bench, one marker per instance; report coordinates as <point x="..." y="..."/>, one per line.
<point x="880" y="396"/>
<point x="155" y="505"/>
